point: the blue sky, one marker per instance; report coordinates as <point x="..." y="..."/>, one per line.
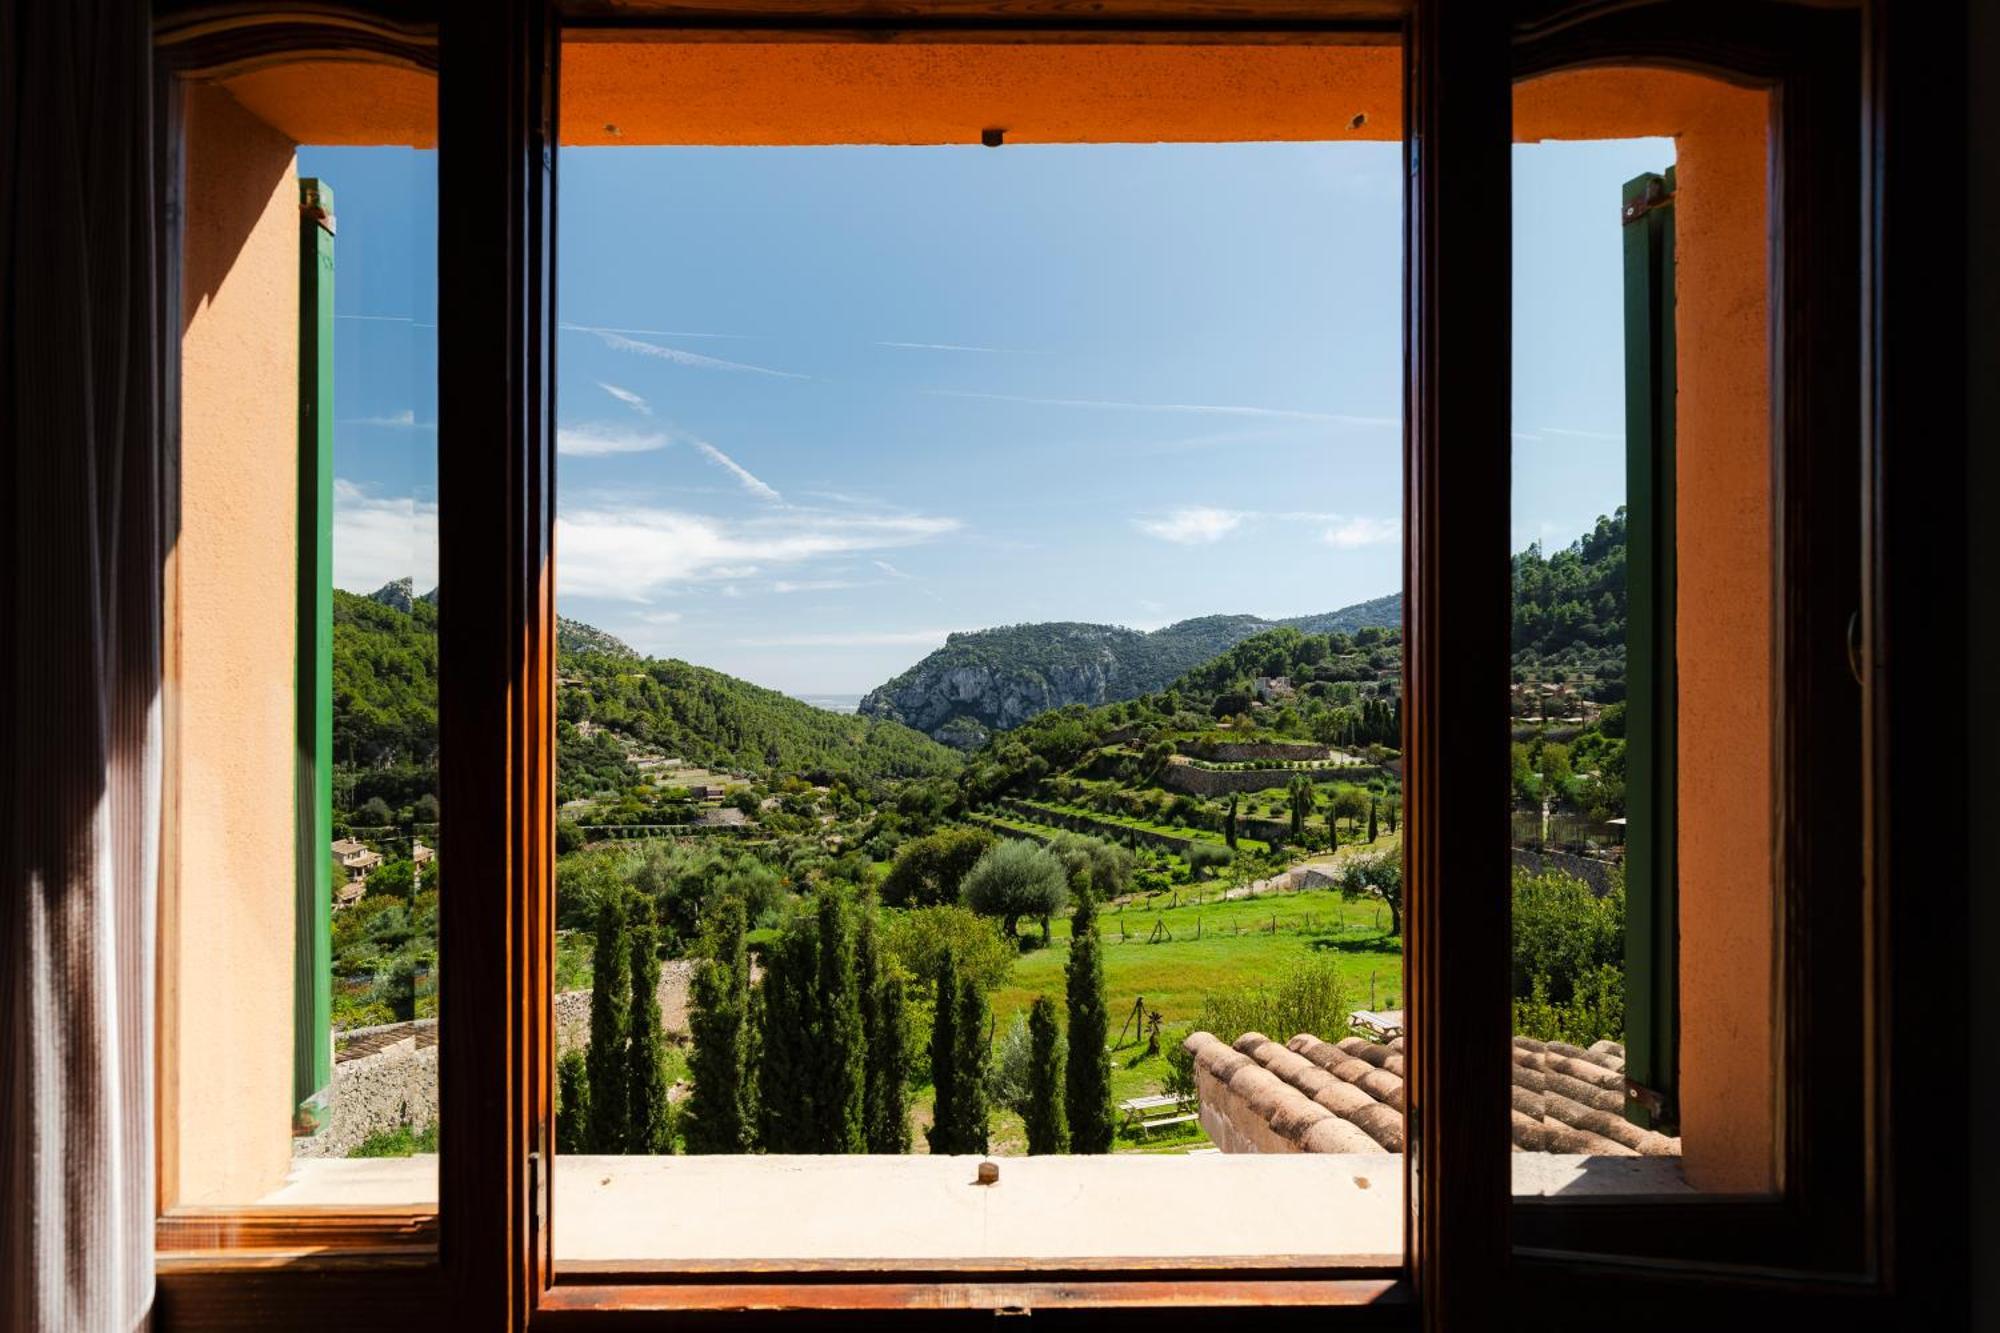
<point x="818" y="407"/>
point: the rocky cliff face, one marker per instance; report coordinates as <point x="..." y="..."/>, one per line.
<point x="990" y="680"/>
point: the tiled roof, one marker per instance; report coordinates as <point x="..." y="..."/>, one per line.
<point x="1310" y="1095"/>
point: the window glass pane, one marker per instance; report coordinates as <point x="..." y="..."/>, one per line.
<point x="1643" y="884"/>
<point x="300" y="932"/>
<point x="948" y="536"/>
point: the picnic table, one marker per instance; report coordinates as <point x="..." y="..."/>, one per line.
<point x="1380" y="1024"/>
<point x="1138" y="1110"/>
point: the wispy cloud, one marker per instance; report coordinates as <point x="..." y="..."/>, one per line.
<point x="890" y="569"/>
<point x="857" y="639"/>
<point x="1361" y="531"/>
<point x="404" y="420"/>
<point x="627" y="397"/>
<point x="662" y="333"/>
<point x="410" y="320"/>
<point x="813" y="585"/>
<point x="1209" y="409"/>
<point x="634" y="552"/>
<point x="963" y="347"/>
<point x="742" y="474"/>
<point x="378" y="539"/>
<point x="1197" y="525"/>
<point x="618" y="342"/>
<point x="596" y="439"/>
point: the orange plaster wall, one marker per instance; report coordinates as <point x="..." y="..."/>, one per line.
<point x="229" y="932"/>
<point x="1724" y="603"/>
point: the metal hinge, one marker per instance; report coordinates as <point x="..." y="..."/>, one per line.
<point x="1656" y="196"/>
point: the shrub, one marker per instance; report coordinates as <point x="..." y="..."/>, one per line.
<point x="1007" y="1074"/>
<point x="572" y="1104"/>
<point x="929" y="871"/>
<point x="1108" y="865"/>
<point x="917" y="942"/>
<point x="1204" y="857"/>
<point x="1017" y="878"/>
<point x="1569" y="959"/>
<point x="1309" y="996"/>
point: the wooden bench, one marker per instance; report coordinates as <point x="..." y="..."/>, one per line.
<point x="1161" y="1122"/>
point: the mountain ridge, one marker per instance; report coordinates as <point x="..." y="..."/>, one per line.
<point x="995" y="679"/>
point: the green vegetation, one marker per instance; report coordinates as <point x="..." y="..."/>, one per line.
<point x="1045" y="1117"/>
<point x="610" y="1013"/>
<point x="1569" y="959"/>
<point x="721" y="1107"/>
<point x="402" y="1141"/>
<point x="812" y="1070"/>
<point x="649" y="1123"/>
<point x="1087" y="1077"/>
<point x="1017" y="878"/>
<point x="959" y="1057"/>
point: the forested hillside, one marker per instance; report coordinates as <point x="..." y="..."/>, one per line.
<point x="1569" y="609"/>
<point x="385" y="712"/>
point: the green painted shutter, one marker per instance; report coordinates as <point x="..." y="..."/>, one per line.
<point x="1652" y="944"/>
<point x="312" y="1062"/>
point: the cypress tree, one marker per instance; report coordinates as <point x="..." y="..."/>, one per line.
<point x="812" y="1064"/>
<point x="1087" y="1080"/>
<point x="889" y="1068"/>
<point x="649" y="1124"/>
<point x="885" y="1109"/>
<point x="784" y="1094"/>
<point x="717" y="1117"/>
<point x="1229" y="824"/>
<point x="610" y="999"/>
<point x="1371" y="819"/>
<point x="839" y="1074"/>
<point x="974" y="1053"/>
<point x="572" y="1104"/>
<point x="945" y="1080"/>
<point x="1047" y="1125"/>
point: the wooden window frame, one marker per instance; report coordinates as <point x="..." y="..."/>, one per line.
<point x="1895" y="1242"/>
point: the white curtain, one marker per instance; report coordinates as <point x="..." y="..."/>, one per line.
<point x="80" y="686"/>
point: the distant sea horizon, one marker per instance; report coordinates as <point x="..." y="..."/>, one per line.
<point x="832" y="703"/>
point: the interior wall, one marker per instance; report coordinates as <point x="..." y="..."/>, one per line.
<point x="228" y="934"/>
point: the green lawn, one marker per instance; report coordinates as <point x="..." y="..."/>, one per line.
<point x="1236" y="947"/>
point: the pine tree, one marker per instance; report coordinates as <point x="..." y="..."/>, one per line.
<point x="717" y="1116"/>
<point x="572" y="1104"/>
<point x="945" y="1080"/>
<point x="610" y="1001"/>
<point x="1047" y="1125"/>
<point x="885" y="1108"/>
<point x="649" y="1123"/>
<point x="1087" y="1080"/>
